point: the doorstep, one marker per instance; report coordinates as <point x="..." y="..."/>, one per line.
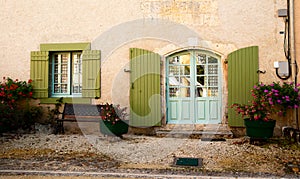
<point x="197" y="131"/>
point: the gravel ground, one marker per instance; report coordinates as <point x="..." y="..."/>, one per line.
<point x="145" y="154"/>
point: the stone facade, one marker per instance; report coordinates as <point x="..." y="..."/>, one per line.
<point x="220" y="26"/>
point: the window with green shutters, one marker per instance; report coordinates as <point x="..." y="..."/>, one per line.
<point x="65" y="70"/>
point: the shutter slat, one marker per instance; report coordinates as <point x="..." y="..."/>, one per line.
<point x="145" y="102"/>
<point x="91" y="73"/>
<point x="242" y="76"/>
<point x="39" y="65"/>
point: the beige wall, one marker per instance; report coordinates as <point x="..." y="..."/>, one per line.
<point x="114" y="26"/>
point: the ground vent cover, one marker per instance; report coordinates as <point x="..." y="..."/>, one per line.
<point x="183" y="161"/>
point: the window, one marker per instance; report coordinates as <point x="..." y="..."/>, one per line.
<point x="65" y="70"/>
<point x="66" y="74"/>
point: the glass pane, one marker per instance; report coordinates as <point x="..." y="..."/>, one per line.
<point x="174" y="60"/>
<point x="174" y="81"/>
<point x="64" y="68"/>
<point x="212" y="69"/>
<point x="213" y="91"/>
<point x="64" y="88"/>
<point x="201" y="92"/>
<point x="65" y="58"/>
<point x="174" y="70"/>
<point x="174" y="92"/>
<point x="185" y="81"/>
<point x="55" y="68"/>
<point x="213" y="81"/>
<point x="184" y="59"/>
<point x="212" y="60"/>
<point x="57" y="59"/>
<point x="200" y="69"/>
<point x="75" y="89"/>
<point x="56" y="88"/>
<point x="185" y="70"/>
<point x="201" y="59"/>
<point x="56" y="77"/>
<point x="64" y="78"/>
<point x="200" y="81"/>
<point x="184" y="92"/>
<point x="77" y="75"/>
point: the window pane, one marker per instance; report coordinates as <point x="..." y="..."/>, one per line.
<point x="56" y="88"/>
<point x="60" y="76"/>
<point x="77" y="73"/>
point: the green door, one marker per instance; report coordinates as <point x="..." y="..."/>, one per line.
<point x="193" y="88"/>
<point x="145" y="98"/>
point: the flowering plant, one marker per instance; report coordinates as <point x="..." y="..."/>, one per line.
<point x="267" y="99"/>
<point x="112" y="113"/>
<point x="14" y="90"/>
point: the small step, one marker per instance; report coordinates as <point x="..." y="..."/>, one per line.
<point x="195" y="131"/>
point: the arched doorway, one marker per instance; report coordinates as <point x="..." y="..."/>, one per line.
<point x="193" y="87"/>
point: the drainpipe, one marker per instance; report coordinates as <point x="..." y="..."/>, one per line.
<point x="291" y="14"/>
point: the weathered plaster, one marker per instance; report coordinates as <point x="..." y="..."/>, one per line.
<point x="221" y="26"/>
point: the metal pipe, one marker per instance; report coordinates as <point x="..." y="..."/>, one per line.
<point x="291" y="15"/>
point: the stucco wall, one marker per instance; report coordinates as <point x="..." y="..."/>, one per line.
<point x="114" y="26"/>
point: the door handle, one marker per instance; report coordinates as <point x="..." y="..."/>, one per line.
<point x="132" y="85"/>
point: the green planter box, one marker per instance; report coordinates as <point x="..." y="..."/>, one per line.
<point x="259" y="129"/>
<point x="117" y="129"/>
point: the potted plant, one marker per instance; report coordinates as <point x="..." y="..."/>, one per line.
<point x="268" y="99"/>
<point x="113" y="120"/>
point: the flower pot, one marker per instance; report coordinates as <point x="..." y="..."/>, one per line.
<point x="259" y="129"/>
<point x="117" y="129"/>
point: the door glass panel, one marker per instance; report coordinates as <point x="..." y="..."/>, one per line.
<point x="201" y="59"/>
<point x="179" y="76"/>
<point x="212" y="60"/>
<point x="212" y="69"/>
<point x="213" y="91"/>
<point x="184" y="92"/>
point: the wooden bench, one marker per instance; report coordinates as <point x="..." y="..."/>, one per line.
<point x="78" y="113"/>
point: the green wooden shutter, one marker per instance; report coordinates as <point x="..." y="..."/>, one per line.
<point x="242" y="76"/>
<point x="91" y="73"/>
<point x="145" y="99"/>
<point x="39" y="71"/>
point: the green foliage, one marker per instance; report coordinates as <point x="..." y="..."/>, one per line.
<point x="15" y="109"/>
<point x="12" y="91"/>
<point x="274" y="98"/>
<point x="112" y="113"/>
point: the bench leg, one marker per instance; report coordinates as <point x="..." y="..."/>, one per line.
<point x="60" y="127"/>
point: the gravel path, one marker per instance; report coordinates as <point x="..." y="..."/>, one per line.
<point x="94" y="153"/>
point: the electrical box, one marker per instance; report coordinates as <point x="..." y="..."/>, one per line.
<point x="282" y="13"/>
<point x="282" y="67"/>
